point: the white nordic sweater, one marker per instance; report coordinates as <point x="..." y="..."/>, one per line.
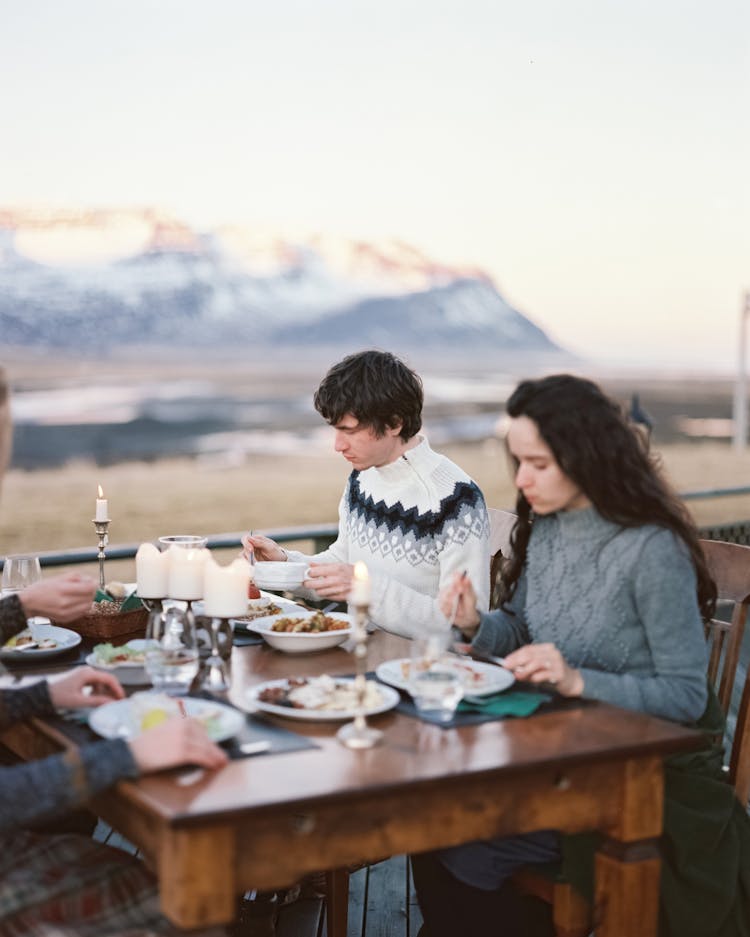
<point x="414" y="522"/>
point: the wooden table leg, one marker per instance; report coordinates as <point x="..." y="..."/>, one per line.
<point x="337" y="902"/>
<point x="628" y="866"/>
<point x="197" y="885"/>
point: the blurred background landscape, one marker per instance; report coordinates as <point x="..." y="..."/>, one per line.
<point x="207" y="209"/>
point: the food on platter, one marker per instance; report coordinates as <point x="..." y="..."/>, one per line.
<point x="151" y="709"/>
<point x="110" y="655"/>
<point x="253" y="592"/>
<point x="259" y="611"/>
<point x="310" y="624"/>
<point x="320" y="693"/>
<point x="470" y="676"/>
<point x="24" y="638"/>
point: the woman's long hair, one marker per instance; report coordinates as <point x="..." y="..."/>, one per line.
<point x="608" y="459"/>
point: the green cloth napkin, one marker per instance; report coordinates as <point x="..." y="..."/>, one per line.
<point x="129" y="604"/>
<point x="510" y="703"/>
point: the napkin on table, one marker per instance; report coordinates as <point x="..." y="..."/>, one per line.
<point x="509" y="703"/>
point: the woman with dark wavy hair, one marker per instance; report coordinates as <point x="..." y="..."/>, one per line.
<point x="604" y="597"/>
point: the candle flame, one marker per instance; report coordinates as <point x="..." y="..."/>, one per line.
<point x="101" y="493"/>
<point x="360" y="571"/>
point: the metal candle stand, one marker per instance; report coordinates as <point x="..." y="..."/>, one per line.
<point x="358" y="734"/>
<point x="102" y="530"/>
<point x="215" y="670"/>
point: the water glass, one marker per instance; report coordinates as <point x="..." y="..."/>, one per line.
<point x="434" y="682"/>
<point x="19" y="571"/>
<point x="172" y="658"/>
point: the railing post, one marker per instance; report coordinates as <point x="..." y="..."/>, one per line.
<point x="740" y="390"/>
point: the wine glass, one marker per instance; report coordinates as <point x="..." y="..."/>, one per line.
<point x="172" y="658"/>
<point x="20" y="570"/>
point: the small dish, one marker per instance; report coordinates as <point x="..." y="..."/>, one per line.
<point x="301" y="642"/>
<point x="129" y="673"/>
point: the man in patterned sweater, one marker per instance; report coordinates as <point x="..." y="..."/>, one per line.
<point x="412" y="515"/>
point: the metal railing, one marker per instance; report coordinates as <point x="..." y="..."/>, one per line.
<point x="319" y="535"/>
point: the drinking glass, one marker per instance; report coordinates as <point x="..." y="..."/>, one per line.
<point x="434" y="682"/>
<point x="19" y="571"/>
<point x="172" y="658"/>
<point x="184" y="541"/>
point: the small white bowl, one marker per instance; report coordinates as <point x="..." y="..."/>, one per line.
<point x="281" y="575"/>
<point x="300" y="642"/>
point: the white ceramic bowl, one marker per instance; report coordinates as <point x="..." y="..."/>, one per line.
<point x="300" y="642"/>
<point x="283" y="575"/>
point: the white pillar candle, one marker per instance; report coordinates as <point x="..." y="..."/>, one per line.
<point x="361" y="586"/>
<point x="225" y="588"/>
<point x="101" y="507"/>
<point x="151" y="572"/>
<point x="186" y="572"/>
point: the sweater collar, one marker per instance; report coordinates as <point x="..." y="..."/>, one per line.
<point x="584" y="524"/>
<point x="421" y="458"/>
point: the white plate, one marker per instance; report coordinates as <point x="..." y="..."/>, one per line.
<point x="129" y="673"/>
<point x="299" y="642"/>
<point x="66" y="639"/>
<point x="389" y="698"/>
<point x="480" y="679"/>
<point x="117" y="720"/>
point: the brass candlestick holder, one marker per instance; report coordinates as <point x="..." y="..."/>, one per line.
<point x="358" y="734"/>
<point x="102" y="530"/>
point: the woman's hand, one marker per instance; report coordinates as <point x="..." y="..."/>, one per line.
<point x="178" y="741"/>
<point x="330" y="580"/>
<point x="84" y="686"/>
<point x="62" y="598"/>
<point x="262" y="548"/>
<point x="543" y="663"/>
<point x="466" y="612"/>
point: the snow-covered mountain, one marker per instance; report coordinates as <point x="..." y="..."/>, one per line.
<point x="136" y="277"/>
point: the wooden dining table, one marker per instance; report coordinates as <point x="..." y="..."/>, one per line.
<point x="265" y="821"/>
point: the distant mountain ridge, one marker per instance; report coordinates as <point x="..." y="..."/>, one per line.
<point x="135" y="277"/>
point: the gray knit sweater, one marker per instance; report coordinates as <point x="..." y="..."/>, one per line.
<point x="619" y="603"/>
<point x="48" y="788"/>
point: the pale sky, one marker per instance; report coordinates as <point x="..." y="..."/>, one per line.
<point x="592" y="155"/>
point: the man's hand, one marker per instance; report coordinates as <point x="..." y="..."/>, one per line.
<point x="62" y="598"/>
<point x="330" y="580"/>
<point x="263" y="548"/>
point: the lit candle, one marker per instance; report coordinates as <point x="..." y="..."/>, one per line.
<point x="151" y="572"/>
<point x="186" y="572"/>
<point x="361" y="587"/>
<point x="225" y="588"/>
<point x="101" y="507"/>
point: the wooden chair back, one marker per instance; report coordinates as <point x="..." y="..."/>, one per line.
<point x="729" y="566"/>
<point x="501" y="525"/>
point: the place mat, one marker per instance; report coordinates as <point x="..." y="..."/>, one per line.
<point x="74" y="724"/>
<point x="513" y="702"/>
<point x="243" y="638"/>
<point x="257" y="728"/>
<point x="64" y="661"/>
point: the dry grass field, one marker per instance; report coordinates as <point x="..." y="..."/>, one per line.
<point x="52" y="509"/>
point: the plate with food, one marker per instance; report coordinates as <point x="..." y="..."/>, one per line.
<point x="302" y="631"/>
<point x="320" y="699"/>
<point x="126" y="718"/>
<point x="478" y="678"/>
<point x="264" y="607"/>
<point x="39" y="642"/>
<point x="126" y="661"/>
